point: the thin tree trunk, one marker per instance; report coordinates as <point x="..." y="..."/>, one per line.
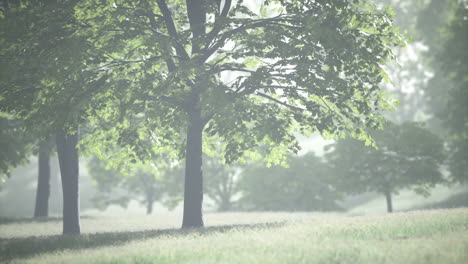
<point x="225" y="205"/>
<point x="68" y="160"/>
<point x="388" y="197"/>
<point x="41" y="208"/>
<point x="193" y="188"/>
<point x="149" y="207"/>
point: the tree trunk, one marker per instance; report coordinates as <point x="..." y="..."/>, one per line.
<point x="43" y="181"/>
<point x="225" y="205"/>
<point x="193" y="188"/>
<point x="68" y="160"/>
<point x="149" y="207"/>
<point x="388" y="197"/>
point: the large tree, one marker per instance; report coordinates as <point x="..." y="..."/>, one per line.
<point x="43" y="84"/>
<point x="240" y="73"/>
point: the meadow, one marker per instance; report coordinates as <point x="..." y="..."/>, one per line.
<point x="431" y="236"/>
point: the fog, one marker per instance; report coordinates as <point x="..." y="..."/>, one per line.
<point x="260" y="106"/>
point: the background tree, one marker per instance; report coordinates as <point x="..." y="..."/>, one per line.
<point x="297" y="66"/>
<point x="143" y="182"/>
<point x="408" y="156"/>
<point x="453" y="61"/>
<point x="306" y="185"/>
<point x="221" y="183"/>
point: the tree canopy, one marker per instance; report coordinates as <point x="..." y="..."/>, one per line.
<point x="306" y="184"/>
<point x="407" y="157"/>
<point x="454" y="60"/>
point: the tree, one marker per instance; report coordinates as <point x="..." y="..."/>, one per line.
<point x="43" y="83"/>
<point x="453" y="61"/>
<point x="296" y="66"/>
<point x="16" y="147"/>
<point x="41" y="208"/>
<point x="221" y="183"/>
<point x="407" y="156"/>
<point x="305" y="186"/>
<point x="144" y="181"/>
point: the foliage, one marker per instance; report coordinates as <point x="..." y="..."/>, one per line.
<point x="454" y="64"/>
<point x="290" y="70"/>
<point x="306" y="185"/>
<point x="162" y="70"/>
<point x="143" y="182"/>
<point x="43" y="84"/>
<point x="15" y="146"/>
<point x="408" y="156"/>
<point x="221" y="182"/>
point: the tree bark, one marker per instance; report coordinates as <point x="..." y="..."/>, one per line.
<point x="388" y="197"/>
<point x="225" y="204"/>
<point x="149" y="207"/>
<point x="41" y="208"/>
<point x="68" y="160"/>
<point x="193" y="187"/>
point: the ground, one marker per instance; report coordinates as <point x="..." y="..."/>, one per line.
<point x="429" y="236"/>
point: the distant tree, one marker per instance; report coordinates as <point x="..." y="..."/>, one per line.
<point x="408" y="156"/>
<point x="221" y="184"/>
<point x="297" y="66"/>
<point x="143" y="182"/>
<point x="305" y="186"/>
<point x="453" y="63"/>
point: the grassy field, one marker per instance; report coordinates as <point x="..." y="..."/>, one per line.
<point x="434" y="236"/>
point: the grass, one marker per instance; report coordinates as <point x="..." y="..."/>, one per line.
<point x="441" y="197"/>
<point x="434" y="236"/>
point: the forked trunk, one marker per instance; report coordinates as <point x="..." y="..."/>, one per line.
<point x="68" y="160"/>
<point x="193" y="190"/>
<point x="41" y="208"/>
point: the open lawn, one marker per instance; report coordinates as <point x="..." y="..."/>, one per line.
<point x="435" y="236"/>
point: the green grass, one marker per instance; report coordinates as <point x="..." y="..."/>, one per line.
<point x="435" y="236"/>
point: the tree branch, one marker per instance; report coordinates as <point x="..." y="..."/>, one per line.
<point x="255" y="24"/>
<point x="279" y="102"/>
<point x="120" y="62"/>
<point x="171" y="28"/>
<point x="168" y="99"/>
<point x="217" y="25"/>
<point x="197" y="18"/>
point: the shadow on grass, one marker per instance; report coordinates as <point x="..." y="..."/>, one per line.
<point x="23" y="220"/>
<point x="13" y="248"/>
